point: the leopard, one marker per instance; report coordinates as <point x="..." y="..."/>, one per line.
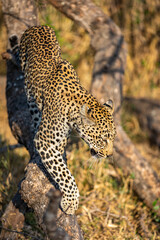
<point x="58" y="103"/>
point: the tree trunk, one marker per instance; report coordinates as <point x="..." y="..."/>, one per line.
<point x="34" y="187"/>
<point x="109" y="65"/>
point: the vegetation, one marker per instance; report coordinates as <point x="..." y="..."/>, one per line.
<point x="108" y="208"/>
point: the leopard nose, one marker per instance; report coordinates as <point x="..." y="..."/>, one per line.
<point x="110" y="155"/>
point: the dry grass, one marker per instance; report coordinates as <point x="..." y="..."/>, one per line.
<point x="108" y="207"/>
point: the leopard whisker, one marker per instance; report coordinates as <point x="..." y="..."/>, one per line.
<point x="92" y="160"/>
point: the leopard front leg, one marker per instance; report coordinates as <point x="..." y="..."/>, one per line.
<point x="51" y="149"/>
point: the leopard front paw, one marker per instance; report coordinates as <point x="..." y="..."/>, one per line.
<point x="69" y="202"/>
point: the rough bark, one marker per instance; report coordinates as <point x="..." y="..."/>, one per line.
<point x="109" y="64"/>
<point x="34" y="191"/>
<point x="19" y="16"/>
<point x="36" y="184"/>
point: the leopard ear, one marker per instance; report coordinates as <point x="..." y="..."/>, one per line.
<point x="86" y="119"/>
<point x="109" y="105"/>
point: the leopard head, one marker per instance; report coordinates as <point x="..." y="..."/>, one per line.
<point x="97" y="128"/>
